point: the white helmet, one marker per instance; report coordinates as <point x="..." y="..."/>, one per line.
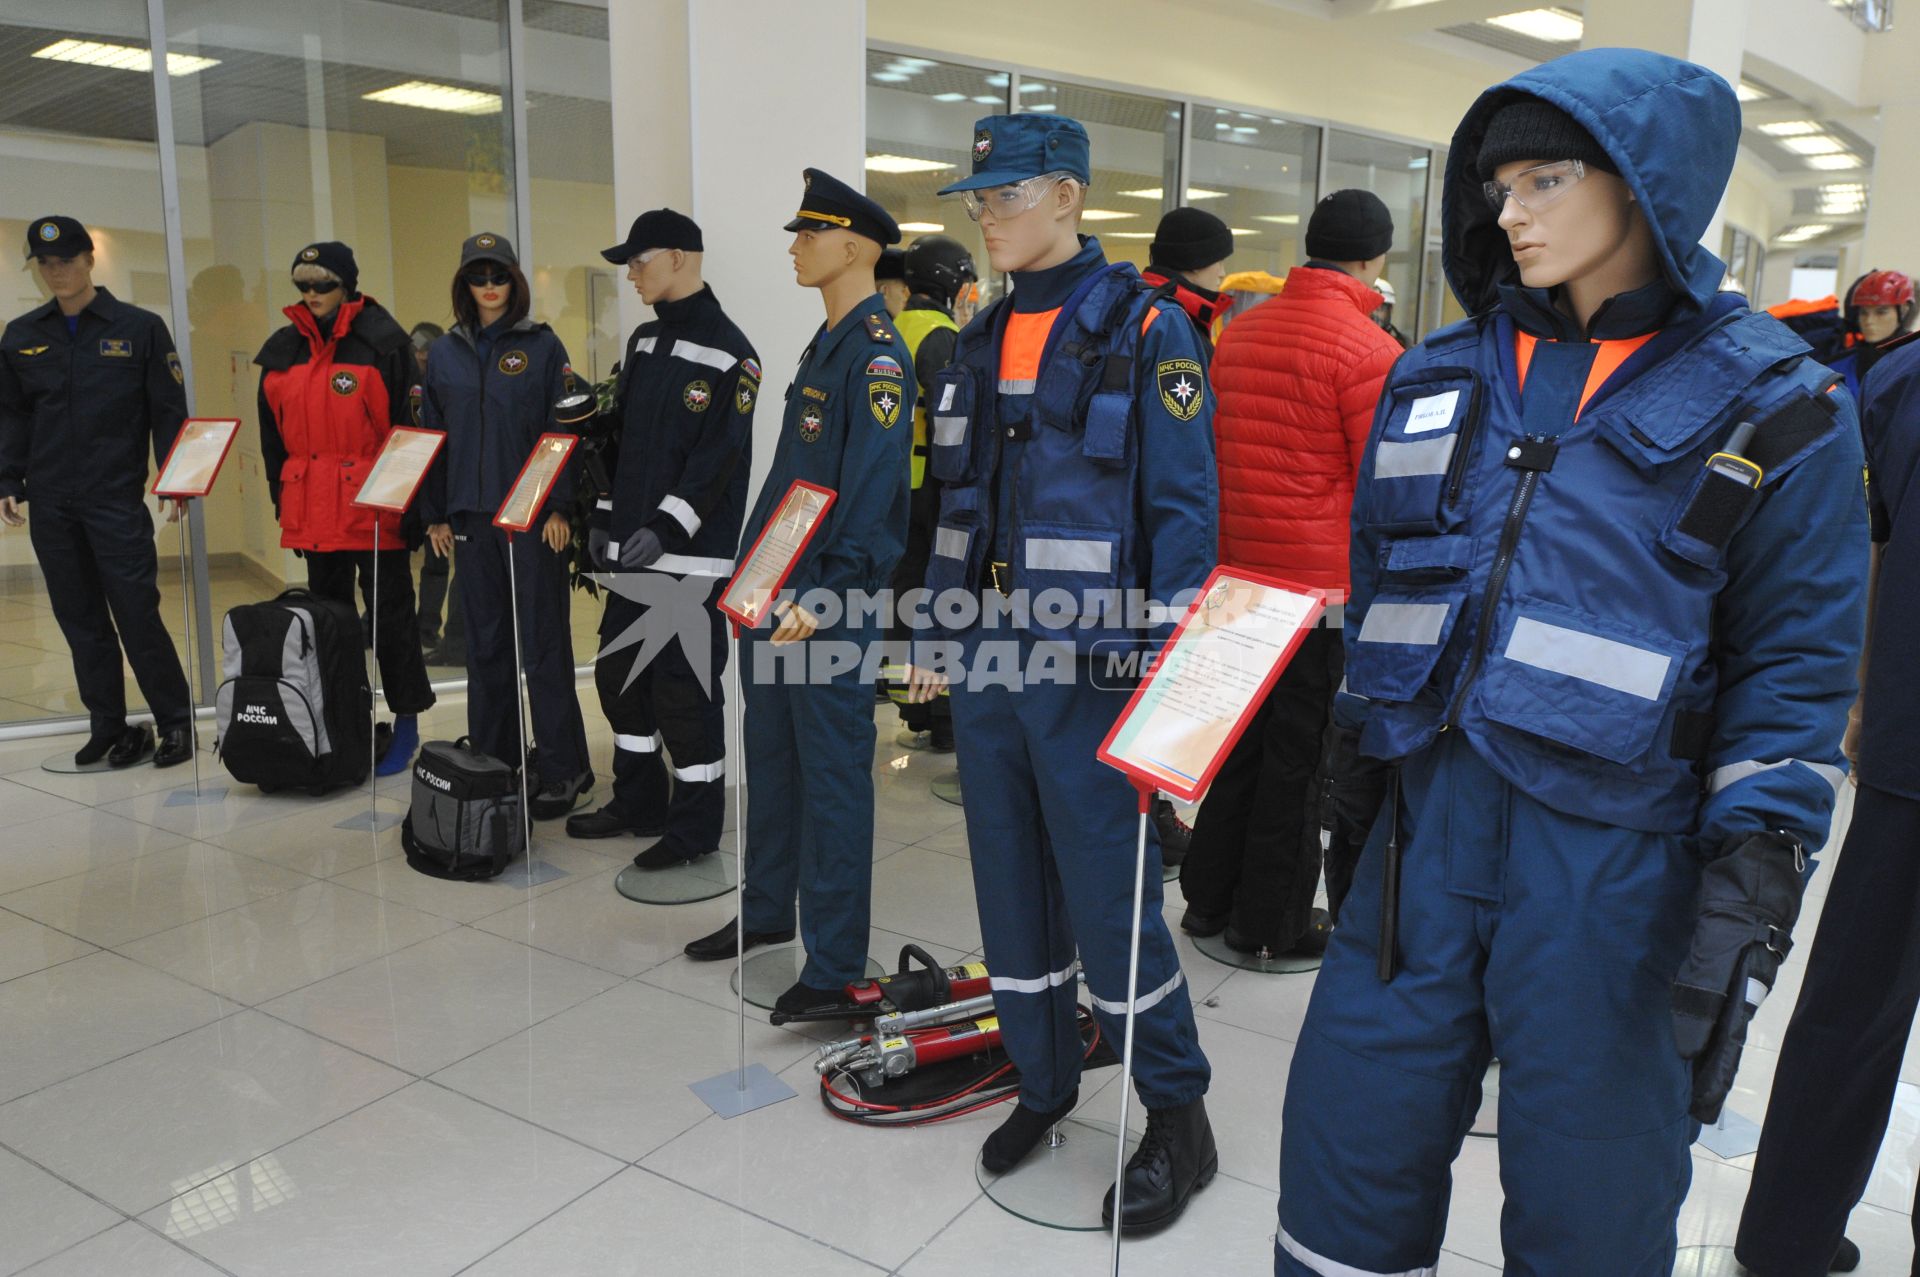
<point x="1386" y="292"/>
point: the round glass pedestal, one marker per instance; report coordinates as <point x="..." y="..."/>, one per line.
<point x="1215" y="947"/>
<point x="703" y="879"/>
<point x="772" y="972"/>
<point x="1063" y="1181"/>
<point x="946" y="788"/>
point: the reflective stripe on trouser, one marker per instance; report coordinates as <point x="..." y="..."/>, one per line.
<point x="809" y="751"/>
<point x="665" y="704"/>
<point x="1053" y="836"/>
<point x="1541" y="938"/>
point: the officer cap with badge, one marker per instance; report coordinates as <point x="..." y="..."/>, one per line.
<point x="57" y="237"/>
<point x="1012" y="148"/>
<point x="829" y="204"/>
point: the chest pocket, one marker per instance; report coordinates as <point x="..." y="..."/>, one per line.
<point x="1420" y="463"/>
<point x="953" y="417"/>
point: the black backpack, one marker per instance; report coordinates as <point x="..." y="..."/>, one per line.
<point x="294" y="706"/>
<point x="464" y="822"/>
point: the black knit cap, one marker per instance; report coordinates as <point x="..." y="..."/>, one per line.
<point x="1190" y="239"/>
<point x="336" y="257"/>
<point x="1528" y="128"/>
<point x="1349" y="226"/>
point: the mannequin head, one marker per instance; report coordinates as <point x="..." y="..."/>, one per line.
<point x="1584" y="233"/>
<point x="321" y="291"/>
<point x="1879" y="323"/>
<point x="67" y="278"/>
<point x="665" y="274"/>
<point x="825" y="257"/>
<point x="1034" y="224"/>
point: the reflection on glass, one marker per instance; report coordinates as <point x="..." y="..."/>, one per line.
<point x="1397" y="173"/>
<point x="1255" y="173"/>
<point x="77" y="137"/>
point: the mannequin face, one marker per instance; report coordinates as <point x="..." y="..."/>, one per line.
<point x="894" y="293"/>
<point x="1879" y="323"/>
<point x="1019" y="242"/>
<point x="821" y="257"/>
<point x="319" y="305"/>
<point x="67" y="277"/>
<point x="664" y="274"/>
<point x="1208" y="277"/>
<point x="490" y="286"/>
<point x="1595" y="226"/>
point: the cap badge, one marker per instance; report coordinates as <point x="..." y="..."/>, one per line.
<point x="309" y="254"/>
<point x="982" y="146"/>
<point x="484" y="241"/>
<point x="49" y="232"/>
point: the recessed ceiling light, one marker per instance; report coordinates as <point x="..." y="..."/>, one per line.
<point x="1800" y="234"/>
<point x="998" y="80"/>
<point x="1818" y="144"/>
<point x="1044" y="106"/>
<point x="1243" y="230"/>
<point x="904" y="61"/>
<point x="1555" y="26"/>
<point x="904" y="164"/>
<point x="1282" y="219"/>
<point x="1833" y="161"/>
<point x="949" y="97"/>
<point x="1748" y="92"/>
<point x="437" y="97"/>
<point x="1194" y="193"/>
<point x="1246" y="128"/>
<point x="889" y="77"/>
<point x="1104" y="215"/>
<point x="1790" y="128"/>
<point x="1034" y="86"/>
<point x="923" y="228"/>
<point x="987" y="99"/>
<point x="121" y="57"/>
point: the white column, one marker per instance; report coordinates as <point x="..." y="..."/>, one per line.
<point x="1893" y="233"/>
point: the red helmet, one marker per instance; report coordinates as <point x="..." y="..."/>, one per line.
<point x="1881" y="288"/>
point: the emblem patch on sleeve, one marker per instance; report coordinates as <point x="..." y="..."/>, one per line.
<point x="884" y="398"/>
<point x="1183" y="387"/>
<point x="745" y="391"/>
<point x="697" y="396"/>
<point x="416" y="402"/>
<point x="885" y="366"/>
<point x="513" y="363"/>
<point x="173" y="366"/>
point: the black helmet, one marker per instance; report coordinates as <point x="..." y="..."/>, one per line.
<point x="939" y="266"/>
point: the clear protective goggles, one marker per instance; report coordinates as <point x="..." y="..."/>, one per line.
<point x="1011" y="201"/>
<point x="1536" y="188"/>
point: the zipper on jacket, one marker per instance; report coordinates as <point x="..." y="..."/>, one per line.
<point x="1463" y="447"/>
<point x="1496" y="582"/>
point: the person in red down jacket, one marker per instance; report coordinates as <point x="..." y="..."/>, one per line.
<point x="333" y="384"/>
<point x="1295" y="380"/>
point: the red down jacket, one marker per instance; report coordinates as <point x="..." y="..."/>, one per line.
<point x="1295" y="381"/>
<point x="327" y="404"/>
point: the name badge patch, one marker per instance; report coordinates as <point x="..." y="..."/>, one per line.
<point x="1435" y="412"/>
<point x="116" y="348"/>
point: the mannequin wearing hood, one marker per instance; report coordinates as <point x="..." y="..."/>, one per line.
<point x="1596" y="550"/>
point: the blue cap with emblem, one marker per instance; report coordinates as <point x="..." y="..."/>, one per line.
<point x="57" y="237"/>
<point x="829" y="204"/>
<point x="1013" y="148"/>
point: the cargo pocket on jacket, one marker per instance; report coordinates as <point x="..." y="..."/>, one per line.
<point x="1107" y="440"/>
<point x="1062" y="562"/>
<point x="954" y="562"/>
<point x="1400" y="641"/>
<point x="1574" y="679"/>
<point x="1421" y="460"/>
<point x="293" y="496"/>
<point x="950" y="414"/>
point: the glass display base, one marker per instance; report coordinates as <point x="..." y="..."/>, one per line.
<point x="1169" y="873"/>
<point x="1707" y="1261"/>
<point x="62" y="764"/>
<point x="772" y="972"/>
<point x="907" y="738"/>
<point x="1215" y="947"/>
<point x="1486" y="1123"/>
<point x="946" y="788"/>
<point x="703" y="879"/>
<point x="1063" y="1181"/>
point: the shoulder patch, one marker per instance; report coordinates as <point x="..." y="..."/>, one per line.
<point x="879" y="329"/>
<point x="884" y="398"/>
<point x="885" y="366"/>
<point x="416" y="402"/>
<point x="1183" y="387"/>
<point x="750" y="368"/>
<point x="173" y="366"/>
<point x="747" y="387"/>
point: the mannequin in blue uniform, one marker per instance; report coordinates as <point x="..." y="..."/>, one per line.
<point x="1072" y="435"/>
<point x="808" y="735"/>
<point x="1609" y="558"/>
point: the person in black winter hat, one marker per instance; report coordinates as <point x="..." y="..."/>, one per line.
<point x="1350" y="226"/>
<point x="1189" y="251"/>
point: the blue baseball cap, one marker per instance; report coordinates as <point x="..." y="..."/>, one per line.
<point x="1013" y="148"/>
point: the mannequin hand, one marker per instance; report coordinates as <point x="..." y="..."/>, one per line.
<point x="174" y="508"/>
<point x="441" y="536"/>
<point x="557" y="533"/>
<point x="796" y="624"/>
<point x="597" y="549"/>
<point x="640" y="550"/>
<point x="10" y="512"/>
<point x="923" y="685"/>
<point x="1749" y="899"/>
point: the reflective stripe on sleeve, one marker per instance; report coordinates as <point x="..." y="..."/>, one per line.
<point x="638" y="744"/>
<point x="1334" y="1268"/>
<point x="645" y="345"/>
<point x="694" y="351"/>
<point x="951" y="543"/>
<point x="1724" y="776"/>
<point x="1069" y="554"/>
<point x="1577" y="654"/>
<point x="1039" y="984"/>
<point x="682" y="513"/>
<point x="701" y="772"/>
<point x="1411" y="460"/>
<point x="1144" y="1003"/>
<point x="1415" y="624"/>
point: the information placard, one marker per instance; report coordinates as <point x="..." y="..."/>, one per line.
<point x="1217" y="669"/>
<point x="194" y="461"/>
<point x="764" y="571"/>
<point x="400" y="469"/>
<point x="537" y="477"/>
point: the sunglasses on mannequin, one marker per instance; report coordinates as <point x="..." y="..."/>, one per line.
<point x="321" y="286"/>
<point x="488" y="278"/>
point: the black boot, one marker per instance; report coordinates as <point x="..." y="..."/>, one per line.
<point x="1845" y="1259"/>
<point x="609" y="822"/>
<point x="1175" y="835"/>
<point x="1175" y="1160"/>
<point x="1196" y="923"/>
<point x="98" y="745"/>
<point x="1014" y="1138"/>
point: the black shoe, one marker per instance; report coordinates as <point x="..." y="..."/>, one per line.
<point x="98" y="746"/>
<point x="176" y="747"/>
<point x="1175" y="1160"/>
<point x="1195" y="923"/>
<point x="556" y="798"/>
<point x="134" y="745"/>
<point x="720" y="944"/>
<point x="1175" y="834"/>
<point x="1014" y="1138"/>
<point x="803" y="1000"/>
<point x="1845" y="1259"/>
<point x="666" y="855"/>
<point x="940" y="738"/>
<point x="608" y="822"/>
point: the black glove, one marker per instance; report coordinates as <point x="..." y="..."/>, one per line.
<point x="1350" y="801"/>
<point x="640" y="550"/>
<point x="1749" y="899"/>
<point x="597" y="549"/>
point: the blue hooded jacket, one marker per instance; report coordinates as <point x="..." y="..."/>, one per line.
<point x="1627" y="626"/>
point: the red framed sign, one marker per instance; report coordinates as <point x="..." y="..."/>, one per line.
<point x="400" y="469"/>
<point x="1224" y="657"/>
<point x="537" y="477"/>
<point x="764" y="571"/>
<point x="194" y="461"/>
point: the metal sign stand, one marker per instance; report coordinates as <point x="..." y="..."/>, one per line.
<point x="371" y="819"/>
<point x="180" y="797"/>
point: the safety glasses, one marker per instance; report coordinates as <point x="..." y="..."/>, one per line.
<point x="641" y="259"/>
<point x="1537" y="188"/>
<point x="1010" y="201"/>
<point x="321" y="286"/>
<point x="487" y="278"/>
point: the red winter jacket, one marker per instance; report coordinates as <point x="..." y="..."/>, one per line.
<point x="1295" y="382"/>
<point x="326" y="407"/>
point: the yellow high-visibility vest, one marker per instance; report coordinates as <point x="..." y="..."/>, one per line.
<point x="913" y="325"/>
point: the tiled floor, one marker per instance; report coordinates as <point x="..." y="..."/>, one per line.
<point x="236" y="1039"/>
